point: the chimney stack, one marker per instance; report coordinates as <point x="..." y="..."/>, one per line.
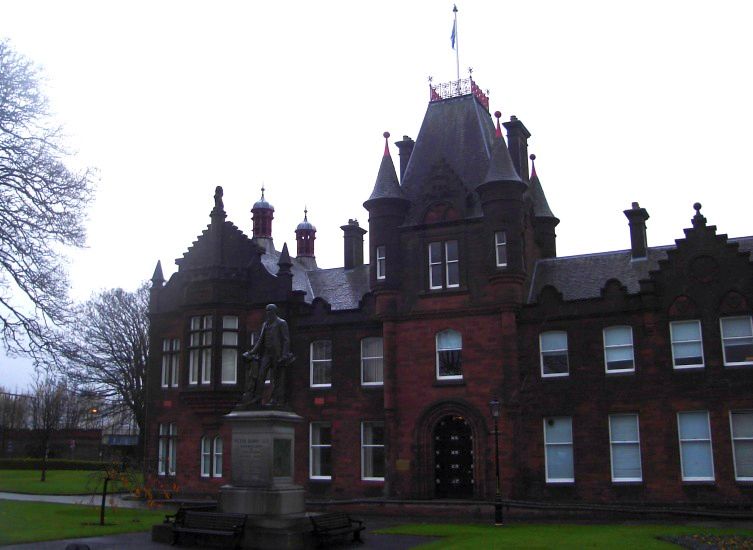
<point x="517" y="144"/>
<point x="637" y="217"/>
<point x="353" y="241"/>
<point x="405" y="148"/>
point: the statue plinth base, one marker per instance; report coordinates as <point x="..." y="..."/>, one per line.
<point x="261" y="482"/>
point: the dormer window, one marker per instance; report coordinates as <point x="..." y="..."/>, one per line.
<point x="444" y="265"/>
<point x="500" y="248"/>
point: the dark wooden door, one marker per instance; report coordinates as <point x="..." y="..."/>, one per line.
<point x="453" y="458"/>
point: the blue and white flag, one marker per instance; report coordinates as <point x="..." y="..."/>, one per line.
<point x="454" y="33"/>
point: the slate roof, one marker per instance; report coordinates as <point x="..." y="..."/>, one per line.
<point x="386" y="185"/>
<point x="540" y="204"/>
<point x="581" y="277"/>
<point x="500" y="164"/>
<point x="458" y="130"/>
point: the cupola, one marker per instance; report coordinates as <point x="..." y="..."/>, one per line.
<point x="305" y="234"/>
<point x="263" y="213"/>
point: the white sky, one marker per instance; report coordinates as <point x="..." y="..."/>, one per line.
<point x="645" y="101"/>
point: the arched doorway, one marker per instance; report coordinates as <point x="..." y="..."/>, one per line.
<point x="453" y="458"/>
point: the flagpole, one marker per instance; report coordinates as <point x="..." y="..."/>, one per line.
<point x="457" y="42"/>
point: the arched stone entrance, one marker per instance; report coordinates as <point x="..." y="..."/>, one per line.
<point x="451" y="444"/>
<point x="453" y="458"/>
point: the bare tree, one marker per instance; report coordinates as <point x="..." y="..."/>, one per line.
<point x="106" y="345"/>
<point x="47" y="406"/>
<point x="42" y="206"/>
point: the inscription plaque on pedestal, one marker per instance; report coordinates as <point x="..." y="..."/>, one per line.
<point x="282" y="455"/>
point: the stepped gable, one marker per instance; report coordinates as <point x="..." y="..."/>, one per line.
<point x="583" y="277"/>
<point x="455" y="139"/>
<point x="220" y="244"/>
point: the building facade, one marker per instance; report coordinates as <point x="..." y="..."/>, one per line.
<point x="621" y="376"/>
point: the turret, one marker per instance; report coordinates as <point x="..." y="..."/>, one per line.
<point x="158" y="281"/>
<point x="263" y="214"/>
<point x="305" y="234"/>
<point x="387" y="207"/>
<point x="501" y="195"/>
<point x="544" y="221"/>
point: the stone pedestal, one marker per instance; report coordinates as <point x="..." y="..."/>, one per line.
<point x="261" y="482"/>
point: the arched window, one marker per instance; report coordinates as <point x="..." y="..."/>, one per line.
<point x="449" y="347"/>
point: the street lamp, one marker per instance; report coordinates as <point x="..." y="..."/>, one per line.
<point x="494" y="409"/>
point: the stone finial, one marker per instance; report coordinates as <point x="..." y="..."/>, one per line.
<point x="698" y="220"/>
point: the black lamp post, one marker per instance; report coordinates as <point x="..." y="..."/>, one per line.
<point x="494" y="409"/>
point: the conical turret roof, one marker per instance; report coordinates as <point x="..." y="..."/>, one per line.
<point x="501" y="167"/>
<point x="538" y="198"/>
<point x="386" y="185"/>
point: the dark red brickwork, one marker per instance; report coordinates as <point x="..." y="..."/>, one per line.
<point x="500" y="313"/>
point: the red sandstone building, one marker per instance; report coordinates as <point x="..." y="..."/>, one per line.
<point x="622" y="376"/>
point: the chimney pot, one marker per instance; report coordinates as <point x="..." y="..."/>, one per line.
<point x="637" y="217"/>
<point x="353" y="244"/>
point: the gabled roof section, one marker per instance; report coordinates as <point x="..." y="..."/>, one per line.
<point x="583" y="277"/>
<point x="458" y="131"/>
<point x="220" y="244"/>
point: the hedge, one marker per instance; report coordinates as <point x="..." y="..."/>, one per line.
<point x="52" y="464"/>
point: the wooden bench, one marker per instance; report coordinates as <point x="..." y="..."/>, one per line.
<point x="212" y="524"/>
<point x="335" y="524"/>
<point x="180" y="514"/>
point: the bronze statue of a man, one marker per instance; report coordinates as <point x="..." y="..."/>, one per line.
<point x="272" y="351"/>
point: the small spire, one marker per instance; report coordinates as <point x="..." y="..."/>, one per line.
<point x="284" y="263"/>
<point x="305" y="213"/>
<point x="262" y="191"/>
<point x="386" y="144"/>
<point x="498" y="115"/>
<point x="158" y="279"/>
<point x="533" y="166"/>
<point x="698" y="220"/>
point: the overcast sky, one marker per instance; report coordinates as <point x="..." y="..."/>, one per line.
<point x="646" y="101"/>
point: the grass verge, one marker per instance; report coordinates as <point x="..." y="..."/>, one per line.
<point x="559" y="536"/>
<point x="59" y="482"/>
<point x="38" y="521"/>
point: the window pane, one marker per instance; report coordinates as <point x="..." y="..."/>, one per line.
<point x="449" y="339"/>
<point x="435" y="274"/>
<point x="321" y="434"/>
<point x="207" y="321"/>
<point x="742" y="424"/>
<point x="193" y="366"/>
<point x="449" y="363"/>
<point x="206" y="364"/>
<point x="195" y="323"/>
<point x="620" y="358"/>
<point x="685" y="330"/>
<point x="744" y="458"/>
<point x="696" y="459"/>
<point x="165" y="370"/>
<point x="206" y="338"/>
<point x="229" y="362"/>
<point x="689" y="353"/>
<point x="624" y="428"/>
<point x="374" y="462"/>
<point x="618" y="336"/>
<point x="453" y="274"/>
<point x="559" y="462"/>
<point x="451" y="248"/>
<point x="553" y="341"/>
<point x="321" y="350"/>
<point x="626" y="461"/>
<point x="558" y="430"/>
<point x="373" y="433"/>
<point x="229" y="338"/>
<point x="554" y="362"/>
<point x="371" y="347"/>
<point x="736" y="328"/>
<point x="435" y="253"/>
<point x="321" y="461"/>
<point x="694" y="425"/>
<point x="230" y="322"/>
<point x="373" y="371"/>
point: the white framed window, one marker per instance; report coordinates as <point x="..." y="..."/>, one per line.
<point x="737" y="340"/>
<point x="618" y="349"/>
<point x="687" y="345"/>
<point x="553" y="346"/>
<point x="200" y="350"/>
<point x="696" y="460"/>
<point x="321" y="364"/>
<point x="217" y="457"/>
<point x="381" y="262"/>
<point x="500" y="248"/>
<point x="449" y="349"/>
<point x="625" y="447"/>
<point x="372" y="451"/>
<point x="372" y="361"/>
<point x="741" y="427"/>
<point x="558" y="445"/>
<point x="444" y="265"/>
<point x="166" y="449"/>
<point x="320" y="450"/>
<point x="206" y="457"/>
<point x="229" y="349"/>
<point x="170" y="362"/>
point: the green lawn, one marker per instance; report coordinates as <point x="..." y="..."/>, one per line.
<point x="37" y="521"/>
<point x="560" y="537"/>
<point x="59" y="482"/>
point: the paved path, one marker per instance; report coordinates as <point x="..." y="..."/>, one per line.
<point x="92" y="500"/>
